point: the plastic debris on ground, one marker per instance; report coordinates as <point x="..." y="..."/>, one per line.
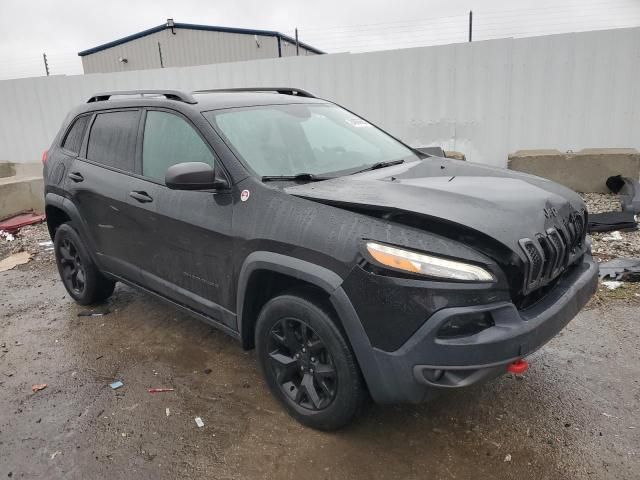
<point x="622" y="269"/>
<point x="628" y="191"/>
<point x="612" y="284"/>
<point x="16" y="222"/>
<point x="199" y="422"/>
<point x="608" y="221"/>
<point x="116" y="385"/>
<point x="94" y="314"/>
<point x="507" y="457"/>
<point x="38" y="386"/>
<point x="14" y="260"/>
<point x="613" y="237"/>
<point x="167" y="412"/>
<point x="55" y="454"/>
<point x="159" y="390"/>
<point x="7" y="236"/>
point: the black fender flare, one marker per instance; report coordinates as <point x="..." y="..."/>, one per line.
<point x="329" y="282"/>
<point x="68" y="207"/>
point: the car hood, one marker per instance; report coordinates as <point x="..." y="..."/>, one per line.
<point x="502" y="204"/>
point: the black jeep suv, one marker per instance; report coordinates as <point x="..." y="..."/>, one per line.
<point x="353" y="263"/>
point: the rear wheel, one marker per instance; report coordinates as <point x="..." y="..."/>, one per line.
<point x="307" y="362"/>
<point x="79" y="274"/>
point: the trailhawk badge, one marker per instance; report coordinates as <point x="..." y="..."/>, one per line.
<point x="244" y="195"/>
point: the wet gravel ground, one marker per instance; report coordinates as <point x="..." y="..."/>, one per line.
<point x="574" y="415"/>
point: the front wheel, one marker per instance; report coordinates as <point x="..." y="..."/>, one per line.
<point x="307" y="362"/>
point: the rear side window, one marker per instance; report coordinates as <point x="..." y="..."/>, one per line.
<point x="169" y="139"/>
<point x="112" y="140"/>
<point x="73" y="141"/>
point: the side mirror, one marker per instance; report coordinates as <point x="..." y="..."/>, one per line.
<point x="193" y="176"/>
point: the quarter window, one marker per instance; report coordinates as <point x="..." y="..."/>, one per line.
<point x="73" y="141"/>
<point x="168" y="139"/>
<point x="112" y="140"/>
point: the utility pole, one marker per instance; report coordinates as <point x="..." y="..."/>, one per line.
<point x="46" y="65"/>
<point x="470" y="25"/>
<point x="297" y="48"/>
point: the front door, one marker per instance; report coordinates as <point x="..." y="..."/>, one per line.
<point x="184" y="242"/>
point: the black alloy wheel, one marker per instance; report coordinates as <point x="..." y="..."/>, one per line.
<point x="304" y="368"/>
<point x="73" y="271"/>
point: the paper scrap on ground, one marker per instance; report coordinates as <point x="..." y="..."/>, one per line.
<point x="199" y="422"/>
<point x="117" y="385"/>
<point x="167" y="411"/>
<point x="612" y="284"/>
<point x="11" y="261"/>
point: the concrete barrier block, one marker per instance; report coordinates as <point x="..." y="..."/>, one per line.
<point x="7" y="169"/>
<point x="583" y="171"/>
<point x="21" y="193"/>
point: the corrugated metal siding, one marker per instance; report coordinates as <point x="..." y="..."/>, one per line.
<point x="485" y="99"/>
<point x="186" y="47"/>
<point x="289" y="49"/>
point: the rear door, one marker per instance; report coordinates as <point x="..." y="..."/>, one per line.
<point x="184" y="246"/>
<point x="99" y="184"/>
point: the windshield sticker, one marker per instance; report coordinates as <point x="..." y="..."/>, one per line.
<point x="244" y="196"/>
<point x="358" y="122"/>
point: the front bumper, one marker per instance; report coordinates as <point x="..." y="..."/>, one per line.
<point x="425" y="362"/>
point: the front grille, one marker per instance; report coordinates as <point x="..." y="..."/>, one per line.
<point x="549" y="253"/>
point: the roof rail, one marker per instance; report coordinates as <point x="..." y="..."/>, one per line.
<point x="168" y="94"/>
<point x="298" y="92"/>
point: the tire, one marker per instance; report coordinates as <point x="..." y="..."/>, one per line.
<point x="307" y="362"/>
<point x="80" y="276"/>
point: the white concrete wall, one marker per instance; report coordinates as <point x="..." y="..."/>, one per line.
<point x="485" y="99"/>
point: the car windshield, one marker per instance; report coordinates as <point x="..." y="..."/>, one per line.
<point x="315" y="139"/>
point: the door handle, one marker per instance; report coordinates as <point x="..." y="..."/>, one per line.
<point x="76" y="177"/>
<point x="142" y="197"/>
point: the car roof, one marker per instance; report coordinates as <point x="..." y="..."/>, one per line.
<point x="219" y="100"/>
<point x="200" y="101"/>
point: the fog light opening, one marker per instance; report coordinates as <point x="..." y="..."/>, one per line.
<point x="465" y="325"/>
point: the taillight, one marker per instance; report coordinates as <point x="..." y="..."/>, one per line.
<point x="44" y="156"/>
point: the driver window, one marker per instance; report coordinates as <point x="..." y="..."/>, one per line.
<point x="169" y="139"/>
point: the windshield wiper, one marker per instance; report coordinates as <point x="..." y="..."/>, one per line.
<point x="378" y="165"/>
<point x="310" y="177"/>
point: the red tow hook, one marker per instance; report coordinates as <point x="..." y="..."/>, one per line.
<point x="518" y="367"/>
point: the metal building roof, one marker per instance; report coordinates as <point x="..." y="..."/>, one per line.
<point x="190" y="26"/>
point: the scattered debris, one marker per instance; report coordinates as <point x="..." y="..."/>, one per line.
<point x="507" y="457"/>
<point x="613" y="237"/>
<point x="55" y="454"/>
<point x="207" y="371"/>
<point x="628" y="191"/>
<point x="87" y="313"/>
<point x="48" y="243"/>
<point x="16" y="222"/>
<point x="159" y="390"/>
<point x="7" y="236"/>
<point x="116" y="385"/>
<point x="99" y="357"/>
<point x="14" y="260"/>
<point x="608" y="221"/>
<point x="623" y="269"/>
<point x="199" y="422"/>
<point x="612" y="284"/>
<point x="167" y="411"/>
<point x="608" y="415"/>
<point x="38" y="386"/>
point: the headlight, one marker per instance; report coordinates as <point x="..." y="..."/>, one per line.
<point x="420" y="263"/>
